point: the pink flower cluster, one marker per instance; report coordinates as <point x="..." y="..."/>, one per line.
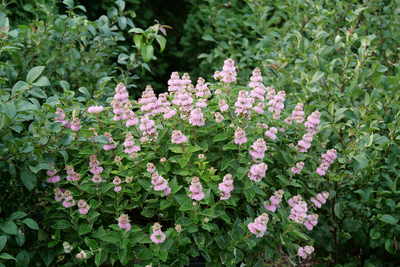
<point x="218" y="117"/>
<point x="223" y="106"/>
<point x="174" y="83"/>
<point x="201" y="103"/>
<point x="120" y="98"/>
<point x="148" y="127"/>
<point x="83" y="207"/>
<point x="75" y="125"/>
<point x="123" y="223"/>
<point x="196" y="189"/>
<point x="321" y="199"/>
<point x="276" y="104"/>
<point x="306" y="251"/>
<point x="186" y="80"/>
<point x="256" y="79"/>
<point x="117" y="181"/>
<point x="257" y="171"/>
<point x="60" y="112"/>
<point x="226" y="187"/>
<point x="160" y="184"/>
<point x="298" y="168"/>
<point x="312" y="123"/>
<point x="327" y="159"/>
<point x="53" y="177"/>
<point x="72" y="175"/>
<point x="112" y="144"/>
<point x="202" y="89"/>
<point x="168" y="113"/>
<point x="178" y="137"/>
<point x="228" y="73"/>
<point x="244" y="104"/>
<point x="68" y="199"/>
<point x="271" y="133"/>
<point x="259" y="147"/>
<point x="58" y="194"/>
<point x="274" y="201"/>
<point x="298" y="113"/>
<point x="196" y="117"/>
<point x="259" y="109"/>
<point x="259" y="226"/>
<point x="299" y="209"/>
<point x="148" y="101"/>
<point x="96" y="169"/>
<point x="158" y="236"/>
<point x="183" y="101"/>
<point x="311" y="221"/>
<point x="95" y="109"/>
<point x="129" y="144"/>
<point x="304" y="144"/>
<point x="240" y="136"/>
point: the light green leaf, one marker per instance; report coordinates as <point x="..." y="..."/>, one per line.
<point x="34" y="73"/>
<point x="31" y="224"/>
<point x="147" y="52"/>
<point x="19" y="87"/>
<point x="161" y="41"/>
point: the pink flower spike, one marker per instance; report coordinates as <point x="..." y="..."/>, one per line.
<point x="158" y="236"/>
<point x="123" y="223"/>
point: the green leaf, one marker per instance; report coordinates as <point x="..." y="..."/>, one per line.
<point x="85" y="91"/>
<point x="122" y="22"/>
<point x="7" y="256"/>
<point x="208" y="38"/>
<point x="112" y="13"/>
<point x="100" y="258"/>
<point x="19" y="87"/>
<point x="48" y="256"/>
<point x="145" y="254"/>
<point x="101" y="139"/>
<point x="106" y="30"/>
<point x="40" y="166"/>
<point x="317" y="76"/>
<point x="52" y="101"/>
<point x="164" y="204"/>
<point x="220" y="137"/>
<point x="362" y="159"/>
<point x="230" y="146"/>
<point x="23" y="259"/>
<point x="375" y="234"/>
<point x="84" y="229"/>
<point x="3" y="242"/>
<point x="62" y="224"/>
<point x="250" y="242"/>
<point x="112" y="237"/>
<point x="161" y="41"/>
<point x="388" y="219"/>
<point x="138" y="39"/>
<point x="249" y="193"/>
<point x="389" y="245"/>
<point x="31" y="224"/>
<point x="34" y="73"/>
<point x="91" y="243"/>
<point x="9" y="109"/>
<point x="147" y="52"/>
<point x="9" y="228"/>
<point x="163" y="255"/>
<point x="17" y="215"/>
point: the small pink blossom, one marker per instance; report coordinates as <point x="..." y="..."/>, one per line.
<point x="83" y="207"/>
<point x="158" y="236"/>
<point x="178" y="137"/>
<point x="259" y="226"/>
<point x="123" y="223"/>
<point x="95" y="109"/>
<point x="240" y="136"/>
<point x="196" y="189"/>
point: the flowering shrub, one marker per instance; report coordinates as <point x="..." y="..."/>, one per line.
<point x="159" y="180"/>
